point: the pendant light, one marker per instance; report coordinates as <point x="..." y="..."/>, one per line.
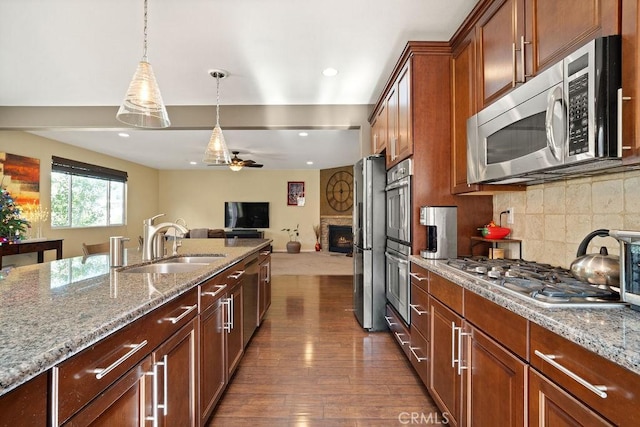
<point x="143" y="106"/>
<point x="217" y="152"/>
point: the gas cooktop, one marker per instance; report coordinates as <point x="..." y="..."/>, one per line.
<point x="543" y="284"/>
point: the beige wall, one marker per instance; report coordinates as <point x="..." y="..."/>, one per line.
<point x="199" y="196"/>
<point x="552" y="219"/>
<point x="142" y="192"/>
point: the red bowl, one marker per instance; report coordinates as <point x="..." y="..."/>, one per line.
<point x="495" y="232"/>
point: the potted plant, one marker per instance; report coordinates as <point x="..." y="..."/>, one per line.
<point x="293" y="246"/>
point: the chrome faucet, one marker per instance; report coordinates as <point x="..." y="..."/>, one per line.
<point x="150" y="233"/>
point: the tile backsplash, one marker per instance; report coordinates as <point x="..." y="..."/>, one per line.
<point x="552" y="219"/>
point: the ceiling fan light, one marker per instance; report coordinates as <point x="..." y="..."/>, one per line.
<point x="235" y="167"/>
<point x="217" y="152"/>
<point x="143" y="106"/>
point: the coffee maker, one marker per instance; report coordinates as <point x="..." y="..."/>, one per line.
<point x="442" y="231"/>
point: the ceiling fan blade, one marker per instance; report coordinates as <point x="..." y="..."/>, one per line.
<point x="254" y="165"/>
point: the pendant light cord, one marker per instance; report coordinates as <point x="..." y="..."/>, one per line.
<point x="218" y="99"/>
<point x="144" y="46"/>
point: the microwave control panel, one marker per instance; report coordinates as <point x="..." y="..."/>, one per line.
<point x="579" y="115"/>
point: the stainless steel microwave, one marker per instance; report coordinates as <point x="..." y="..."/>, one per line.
<point x="564" y="122"/>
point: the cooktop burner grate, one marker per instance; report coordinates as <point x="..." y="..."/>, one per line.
<point x="542" y="283"/>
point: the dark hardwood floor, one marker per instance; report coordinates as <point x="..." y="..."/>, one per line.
<point x="310" y="364"/>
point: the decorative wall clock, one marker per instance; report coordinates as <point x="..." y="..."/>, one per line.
<point x="339" y="191"/>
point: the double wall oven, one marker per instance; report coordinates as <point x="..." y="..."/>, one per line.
<point x="398" y="247"/>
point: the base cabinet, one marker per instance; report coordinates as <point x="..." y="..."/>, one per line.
<point x="552" y="406"/>
<point x="26" y="405"/>
<point x="264" y="284"/>
<point x="234" y="336"/>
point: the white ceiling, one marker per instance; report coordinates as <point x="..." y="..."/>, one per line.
<point x="84" y="52"/>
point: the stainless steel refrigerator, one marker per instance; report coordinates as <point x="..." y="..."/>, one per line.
<point x="369" y="237"/>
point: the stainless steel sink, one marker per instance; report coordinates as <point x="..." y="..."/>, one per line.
<point x="193" y="259"/>
<point x="166" y="267"/>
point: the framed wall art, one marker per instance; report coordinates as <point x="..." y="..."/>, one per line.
<point x="295" y="193"/>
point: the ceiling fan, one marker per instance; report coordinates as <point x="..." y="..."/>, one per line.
<point x="238" y="163"/>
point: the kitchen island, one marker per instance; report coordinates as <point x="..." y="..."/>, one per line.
<point x="52" y="311"/>
<point x="468" y="336"/>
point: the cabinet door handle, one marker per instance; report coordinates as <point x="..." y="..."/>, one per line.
<point x="154" y="408"/>
<point x="400" y="340"/>
<point x="213" y="294"/>
<point x="101" y="372"/>
<point x="600" y="390"/>
<point x="514" y="76"/>
<point x="418" y="358"/>
<point x="188" y="309"/>
<point x="454" y="328"/>
<point x="414" y="307"/>
<point x="165" y="384"/>
<point x="522" y="59"/>
<point x="236" y="275"/>
<point x="418" y="277"/>
<point x="460" y="335"/>
<point x="389" y="322"/>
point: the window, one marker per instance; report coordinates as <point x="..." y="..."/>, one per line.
<point x="85" y="195"/>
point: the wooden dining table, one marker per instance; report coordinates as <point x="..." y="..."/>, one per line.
<point x="30" y="246"/>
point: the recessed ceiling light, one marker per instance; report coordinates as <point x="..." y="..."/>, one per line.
<point x="309" y="162"/>
<point x="193" y="163"/>
<point x="303" y="134"/>
<point x="329" y="72"/>
<point x="123" y="135"/>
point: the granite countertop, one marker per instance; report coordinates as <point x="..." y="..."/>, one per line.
<point x="613" y="333"/>
<point x="51" y="311"/>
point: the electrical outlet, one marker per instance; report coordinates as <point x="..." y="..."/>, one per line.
<point x="510" y="215"/>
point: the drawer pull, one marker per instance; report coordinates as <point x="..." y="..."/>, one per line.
<point x="236" y="275"/>
<point x="213" y="294"/>
<point x="265" y="253"/>
<point x="418" y="358"/>
<point x="389" y="322"/>
<point x="414" y="307"/>
<point x="101" y="372"/>
<point x="600" y="390"/>
<point x="418" y="277"/>
<point x="400" y="340"/>
<point x="187" y="310"/>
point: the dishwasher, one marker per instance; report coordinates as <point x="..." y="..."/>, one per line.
<point x="250" y="297"/>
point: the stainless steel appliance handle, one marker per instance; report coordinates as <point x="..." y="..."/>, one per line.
<point x="396" y="259"/>
<point x="554" y="96"/>
<point x="404" y="182"/>
<point x="600" y="390"/>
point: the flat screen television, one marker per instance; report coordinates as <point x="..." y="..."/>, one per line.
<point x="246" y="214"/>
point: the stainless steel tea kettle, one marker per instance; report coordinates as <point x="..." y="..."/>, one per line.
<point x="598" y="269"/>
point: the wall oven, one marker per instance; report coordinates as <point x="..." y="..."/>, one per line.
<point x="398" y="247"/>
<point x="563" y="122"/>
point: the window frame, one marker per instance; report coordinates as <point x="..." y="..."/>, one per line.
<point x="87" y="170"/>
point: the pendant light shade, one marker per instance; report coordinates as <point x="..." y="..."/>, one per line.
<point x="143" y="106"/>
<point x="217" y="152"/>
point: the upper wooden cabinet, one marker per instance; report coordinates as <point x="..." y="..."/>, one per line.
<point x="518" y="38"/>
<point x="379" y="131"/>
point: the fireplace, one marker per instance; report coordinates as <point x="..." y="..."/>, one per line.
<point x="340" y="239"/>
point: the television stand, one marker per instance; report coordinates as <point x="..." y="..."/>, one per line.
<point x="244" y="233"/>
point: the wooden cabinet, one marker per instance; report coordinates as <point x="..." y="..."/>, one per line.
<point x="128" y="402"/>
<point x="26" y="405"/>
<point x="213" y="370"/>
<point x="602" y="386"/>
<point x="445" y="382"/>
<point x="419" y="311"/>
<point x="550" y="405"/>
<point x="496" y="392"/>
<point x="379" y="131"/>
<point x="398" y="329"/>
<point x="630" y="81"/>
<point x="233" y="325"/>
<point x="403" y="147"/>
<point x="518" y="38"/>
<point x="176" y="384"/>
<point x="264" y="284"/>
